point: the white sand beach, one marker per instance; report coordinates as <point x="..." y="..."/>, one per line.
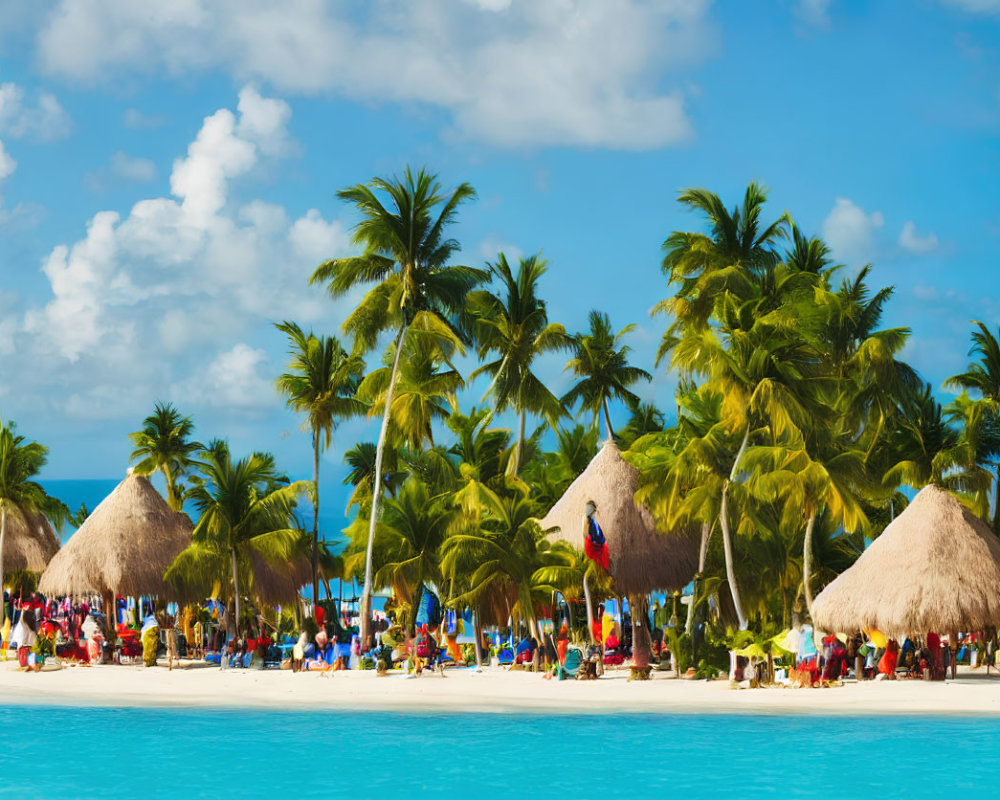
<point x="493" y="690"/>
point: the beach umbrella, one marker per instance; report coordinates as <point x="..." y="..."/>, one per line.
<point x="29" y="544"/>
<point x="123" y="547"/>
<point x="935" y="568"/>
<point x="642" y="559"/>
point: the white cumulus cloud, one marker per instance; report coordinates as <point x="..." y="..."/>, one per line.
<point x="173" y="296"/>
<point x="7" y="164"/>
<point x="510" y="72"/>
<point x="45" y="119"/>
<point x="850" y="231"/>
<point x="911" y="241"/>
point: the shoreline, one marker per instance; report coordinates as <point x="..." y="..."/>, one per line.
<point x="493" y="691"/>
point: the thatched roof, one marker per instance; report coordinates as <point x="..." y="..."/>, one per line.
<point x="124" y="546"/>
<point x="29" y="542"/>
<point x="936" y="568"/>
<point x="641" y="559"/>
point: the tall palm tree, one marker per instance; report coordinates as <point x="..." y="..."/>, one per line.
<point x="514" y="326"/>
<point x="321" y="383"/>
<point x="246" y="508"/>
<point x="601" y="363"/>
<point x="20" y="494"/>
<point x="736" y="252"/>
<point x="165" y="445"/>
<point x="406" y="257"/>
<point x="983" y="376"/>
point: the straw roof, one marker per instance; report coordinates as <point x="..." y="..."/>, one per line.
<point x="641" y="559"/>
<point x="124" y="546"/>
<point x="936" y="568"/>
<point x="29" y="542"/>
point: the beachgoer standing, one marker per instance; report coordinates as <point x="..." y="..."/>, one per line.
<point x="593" y="538"/>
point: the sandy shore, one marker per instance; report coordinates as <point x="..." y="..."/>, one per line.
<point x="493" y="690"/>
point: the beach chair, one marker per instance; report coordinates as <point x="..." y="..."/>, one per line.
<point x="571" y="666"/>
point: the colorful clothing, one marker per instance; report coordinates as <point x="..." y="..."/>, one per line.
<point x="594" y="544"/>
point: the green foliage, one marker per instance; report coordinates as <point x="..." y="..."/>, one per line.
<point x="164" y="445"/>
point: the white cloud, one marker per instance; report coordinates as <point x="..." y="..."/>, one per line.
<point x="234" y="379"/>
<point x="913" y="242"/>
<point x="511" y="72"/>
<point x="45" y="120"/>
<point x="850" y="231"/>
<point x="813" y="12"/>
<point x="132" y="168"/>
<point x="145" y="300"/>
<point x="7" y="164"/>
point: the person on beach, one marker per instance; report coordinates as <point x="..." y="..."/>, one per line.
<point x="24" y="634"/>
<point x="593" y="537"/>
<point x="171" y="643"/>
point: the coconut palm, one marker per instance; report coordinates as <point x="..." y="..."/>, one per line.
<point x="425" y="383"/>
<point x="499" y="553"/>
<point x="321" y="383"/>
<point x="413" y="527"/>
<point x="406" y="257"/>
<point x="601" y="363"/>
<point x="513" y="325"/>
<point x="165" y="445"/>
<point x="706" y="267"/>
<point x="246" y="510"/>
<point x="361" y="475"/>
<point x="983" y="376"/>
<point x="20" y="494"/>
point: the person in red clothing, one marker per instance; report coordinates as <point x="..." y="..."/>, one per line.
<point x="594" y="543"/>
<point x="887" y="664"/>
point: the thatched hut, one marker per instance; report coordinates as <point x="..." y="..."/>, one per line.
<point x="29" y="542"/>
<point x="936" y="568"/>
<point x="123" y="547"/>
<point x="641" y="559"/>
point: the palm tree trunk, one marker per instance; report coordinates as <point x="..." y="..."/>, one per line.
<point x="3" y="537"/>
<point x="607" y="419"/>
<point x="706" y="532"/>
<point x="236" y="591"/>
<point x="590" y="607"/>
<point x="478" y="637"/>
<point x="807" y="547"/>
<point x="366" y="592"/>
<point x="640" y="642"/>
<point x="727" y="543"/>
<point x="315" y="536"/>
<point x="171" y="488"/>
<point x="519" y="445"/>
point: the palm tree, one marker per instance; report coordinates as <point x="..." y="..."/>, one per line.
<point x="983" y="376"/>
<point x="413" y="527"/>
<point x="514" y="326"/>
<point x="601" y="363"/>
<point x="321" y="383"/>
<point x="737" y="252"/>
<point x="20" y="463"/>
<point x="420" y="393"/>
<point x="164" y="445"/>
<point x="406" y="256"/>
<point x="246" y="508"/>
<point x="500" y="553"/>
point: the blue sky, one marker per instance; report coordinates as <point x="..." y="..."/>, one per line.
<point x="169" y="171"/>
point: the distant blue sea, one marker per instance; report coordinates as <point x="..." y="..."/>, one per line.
<point x="212" y="754"/>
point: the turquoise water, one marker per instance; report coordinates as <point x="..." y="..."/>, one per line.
<point x="100" y="752"/>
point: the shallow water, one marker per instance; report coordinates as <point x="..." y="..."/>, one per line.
<point x="86" y="752"/>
